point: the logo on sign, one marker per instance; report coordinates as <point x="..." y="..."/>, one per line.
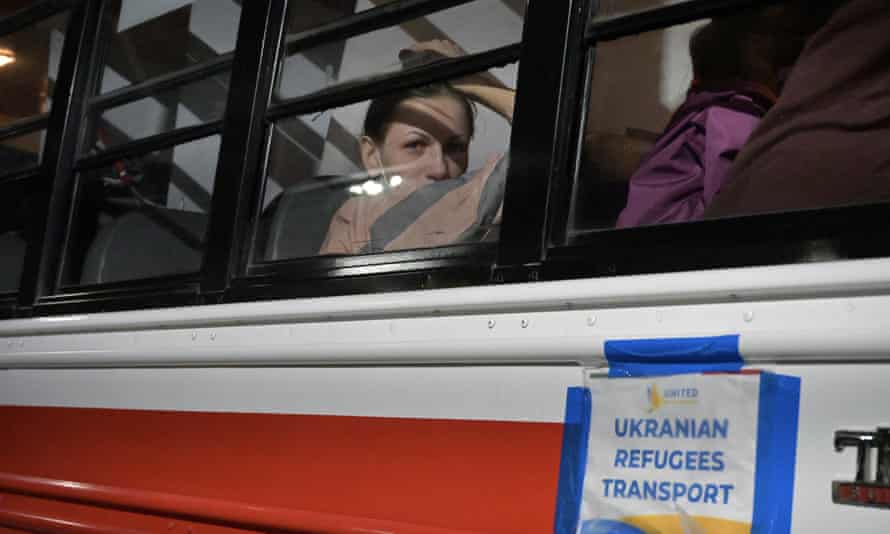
<point x="657" y="399"/>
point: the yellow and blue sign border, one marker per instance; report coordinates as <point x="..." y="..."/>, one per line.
<point x="777" y="426"/>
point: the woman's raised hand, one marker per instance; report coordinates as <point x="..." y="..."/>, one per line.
<point x="483" y="87"/>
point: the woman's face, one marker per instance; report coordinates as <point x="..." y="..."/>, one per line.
<point x="427" y="139"/>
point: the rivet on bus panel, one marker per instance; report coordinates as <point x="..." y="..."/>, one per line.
<point x="749" y="316"/>
<point x="591" y="320"/>
<point x="524" y="323"/>
<point x="491" y="323"/>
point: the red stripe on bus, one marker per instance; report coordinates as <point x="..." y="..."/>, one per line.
<point x="481" y="476"/>
<point x="33" y="514"/>
<point x="205" y="511"/>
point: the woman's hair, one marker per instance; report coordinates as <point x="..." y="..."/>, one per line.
<point x="381" y="111"/>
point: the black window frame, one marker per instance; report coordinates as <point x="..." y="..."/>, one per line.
<point x="33" y="178"/>
<point x="50" y="296"/>
<point x="556" y="61"/>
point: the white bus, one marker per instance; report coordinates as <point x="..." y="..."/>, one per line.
<point x="233" y="302"/>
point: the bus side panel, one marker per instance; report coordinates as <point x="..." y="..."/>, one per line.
<point x="285" y="471"/>
<point x="835" y="397"/>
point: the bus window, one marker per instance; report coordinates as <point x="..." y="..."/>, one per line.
<point x="189" y="104"/>
<point x="29" y="64"/>
<point x="711" y="107"/>
<point x="474" y="27"/>
<point x="29" y="61"/>
<point x="629" y="105"/>
<point x="165" y="67"/>
<point x="418" y="167"/>
<point x="143" y="216"/>
<point x="150" y="39"/>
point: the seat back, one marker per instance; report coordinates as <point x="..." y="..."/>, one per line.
<point x="136" y="245"/>
<point x="301" y="220"/>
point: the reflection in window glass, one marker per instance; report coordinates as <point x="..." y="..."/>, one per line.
<point x="475" y="27"/>
<point x="409" y="170"/>
<point x="148" y="39"/>
<point x="143" y="217"/>
<point x="15" y="206"/>
<point x="609" y="9"/>
<point x="187" y="105"/>
<point x="20" y="152"/>
<point x="29" y="61"/>
<point x="668" y="134"/>
<point x="309" y="14"/>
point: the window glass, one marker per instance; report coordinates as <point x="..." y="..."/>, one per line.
<point x="187" y="105"/>
<point x="420" y="168"/>
<point x="20" y="152"/>
<point x="29" y="62"/>
<point x="143" y="217"/>
<point x="363" y="6"/>
<point x="310" y="14"/>
<point x="15" y="204"/>
<point x="732" y="116"/>
<point x="609" y="9"/>
<point x="148" y="39"/>
<point x="629" y="105"/>
<point x="474" y="27"/>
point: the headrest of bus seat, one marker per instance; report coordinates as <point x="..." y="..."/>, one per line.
<point x="137" y="245"/>
<point x="302" y="217"/>
<point x="12" y="250"/>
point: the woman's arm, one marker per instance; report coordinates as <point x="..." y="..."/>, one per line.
<point x="482" y="87"/>
<point x="500" y="100"/>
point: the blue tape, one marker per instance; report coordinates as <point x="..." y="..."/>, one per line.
<point x="573" y="461"/>
<point x="777" y="425"/>
<point x="672" y="356"/>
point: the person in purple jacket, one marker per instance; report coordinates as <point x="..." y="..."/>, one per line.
<point x="737" y="63"/>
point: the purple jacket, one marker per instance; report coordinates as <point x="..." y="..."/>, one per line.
<point x="689" y="162"/>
